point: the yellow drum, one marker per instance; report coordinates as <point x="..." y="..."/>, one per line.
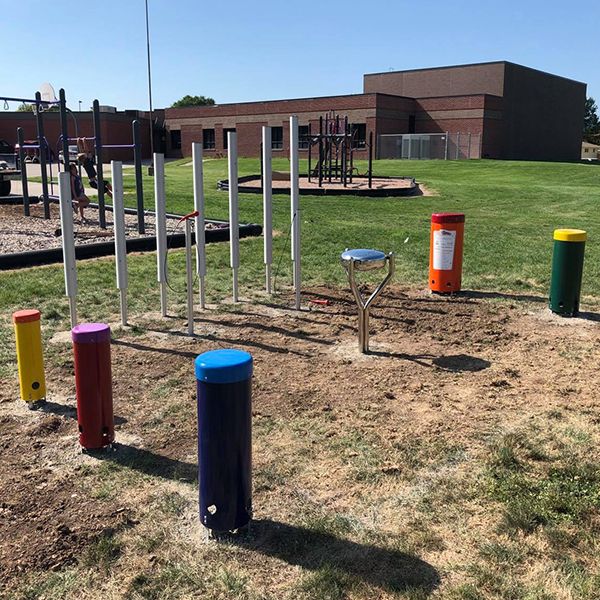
<point x="29" y="355"/>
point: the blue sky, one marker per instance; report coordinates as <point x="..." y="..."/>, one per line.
<point x="241" y="51"/>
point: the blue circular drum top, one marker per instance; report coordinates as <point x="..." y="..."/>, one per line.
<point x="364" y="259"/>
<point x="363" y="255"/>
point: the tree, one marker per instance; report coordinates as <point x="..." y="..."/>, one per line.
<point x="25" y="108"/>
<point x="193" y="101"/>
<point x="591" y="122"/>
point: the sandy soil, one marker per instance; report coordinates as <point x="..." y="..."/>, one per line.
<point x="19" y="233"/>
<point x="378" y="183"/>
<point x="451" y="369"/>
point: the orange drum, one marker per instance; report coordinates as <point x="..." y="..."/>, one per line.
<point x="446" y="252"/>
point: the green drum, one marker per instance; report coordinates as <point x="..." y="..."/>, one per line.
<point x="567" y="269"/>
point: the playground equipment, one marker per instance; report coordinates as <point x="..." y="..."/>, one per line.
<point x="161" y="229"/>
<point x="295" y="206"/>
<point x="200" y="220"/>
<point x="39" y="103"/>
<point x="336" y="140"/>
<point x="68" y="243"/>
<point x="366" y="260"/>
<point x="567" y="271"/>
<point x="446" y="252"/>
<point x="93" y="383"/>
<point x="120" y="240"/>
<point x="234" y="226"/>
<point x="99" y="146"/>
<point x="30" y="359"/>
<point x="267" y="188"/>
<point x="224" y="388"/>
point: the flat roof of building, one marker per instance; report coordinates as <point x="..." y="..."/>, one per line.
<point x="478" y="64"/>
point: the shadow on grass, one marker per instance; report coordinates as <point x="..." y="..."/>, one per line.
<point x="148" y="462"/>
<point x="313" y="550"/>
<point x="64" y="410"/>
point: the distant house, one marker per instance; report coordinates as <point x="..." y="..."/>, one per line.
<point x="590" y="151"/>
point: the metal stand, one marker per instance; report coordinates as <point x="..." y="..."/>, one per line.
<point x="189" y="276"/>
<point x="366" y="260"/>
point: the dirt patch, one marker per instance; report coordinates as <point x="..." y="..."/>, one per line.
<point x="335" y="430"/>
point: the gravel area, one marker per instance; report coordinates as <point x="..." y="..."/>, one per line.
<point x="19" y="233"/>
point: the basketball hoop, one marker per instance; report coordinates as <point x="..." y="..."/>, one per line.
<point x="48" y="97"/>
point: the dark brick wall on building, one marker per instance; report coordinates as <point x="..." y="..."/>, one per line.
<point x="463" y="80"/>
<point x="249" y="118"/>
<point x="528" y="114"/>
<point x="544" y="115"/>
<point x="115" y="129"/>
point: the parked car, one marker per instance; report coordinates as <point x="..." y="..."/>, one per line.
<point x="32" y="155"/>
<point x="6" y="148"/>
<point x="73" y="152"/>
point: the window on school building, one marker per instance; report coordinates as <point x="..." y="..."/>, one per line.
<point x="276" y="138"/>
<point x="225" y="132"/>
<point x="303" y="140"/>
<point x="208" y="139"/>
<point x="176" y="139"/>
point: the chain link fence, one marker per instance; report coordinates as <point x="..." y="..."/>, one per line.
<point x="442" y="146"/>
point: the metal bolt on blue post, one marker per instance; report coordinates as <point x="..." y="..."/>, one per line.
<point x="224" y="385"/>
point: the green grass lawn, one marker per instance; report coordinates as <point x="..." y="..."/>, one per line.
<point x="511" y="210"/>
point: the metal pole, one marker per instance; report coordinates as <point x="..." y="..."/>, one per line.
<point x="469" y="147"/>
<point x="234" y="233"/>
<point x="189" y="276"/>
<point x="150" y="172"/>
<point x="23" y="167"/>
<point x="161" y="229"/>
<point x="139" y="190"/>
<point x="42" y="149"/>
<point x="309" y="153"/>
<point x="295" y="206"/>
<point x="98" y="147"/>
<point x="370" y="159"/>
<point x="267" y="205"/>
<point x="321" y="151"/>
<point x="64" y="129"/>
<point x="120" y="241"/>
<point x="458" y="145"/>
<point x="200" y="225"/>
<point x="68" y="243"/>
<point x="446" y="147"/>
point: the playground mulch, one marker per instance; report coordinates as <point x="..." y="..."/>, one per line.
<point x="19" y="233"/>
<point x="393" y="442"/>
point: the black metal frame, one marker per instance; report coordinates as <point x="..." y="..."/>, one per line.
<point x="42" y="145"/>
<point x="336" y="144"/>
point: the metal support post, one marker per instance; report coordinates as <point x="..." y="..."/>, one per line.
<point x="189" y="276"/>
<point x="295" y="208"/>
<point x="43" y="150"/>
<point x="23" y="168"/>
<point x="267" y="205"/>
<point x="98" y="144"/>
<point x="139" y="190"/>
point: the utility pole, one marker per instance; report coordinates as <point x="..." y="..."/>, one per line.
<point x="150" y="168"/>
